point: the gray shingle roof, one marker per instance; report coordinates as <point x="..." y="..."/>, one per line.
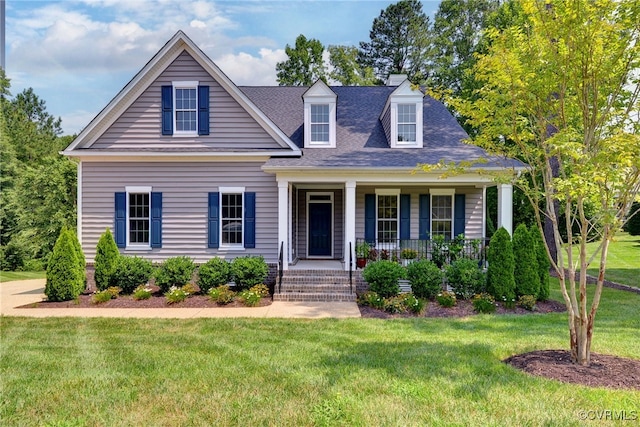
<point x="360" y="138"/>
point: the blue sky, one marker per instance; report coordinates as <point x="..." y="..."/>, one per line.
<point x="77" y="54"/>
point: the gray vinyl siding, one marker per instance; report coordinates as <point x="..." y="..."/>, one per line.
<point x="185" y="187"/>
<point x="473" y="209"/>
<point x="231" y="127"/>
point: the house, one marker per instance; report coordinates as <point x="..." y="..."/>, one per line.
<point x="184" y="162"/>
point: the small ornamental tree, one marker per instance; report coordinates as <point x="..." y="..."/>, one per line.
<point x="64" y="278"/>
<point x="107" y="255"/>
<point x="500" y="279"/>
<point x="543" y="264"/>
<point x="526" y="266"/>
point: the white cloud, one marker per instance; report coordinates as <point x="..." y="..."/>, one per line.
<point x="245" y="69"/>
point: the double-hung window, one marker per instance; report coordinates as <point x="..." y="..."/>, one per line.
<point x="231" y="219"/>
<point x="387" y="218"/>
<point x="407" y="123"/>
<point x="320" y="123"/>
<point x="442" y="215"/>
<point x="139" y="218"/>
<point x="185" y="109"/>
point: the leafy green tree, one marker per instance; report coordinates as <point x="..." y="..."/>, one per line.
<point x="305" y="64"/>
<point x="500" y="273"/>
<point x="399" y="42"/>
<point x="526" y="269"/>
<point x="64" y="278"/>
<point x="562" y="89"/>
<point x="105" y="260"/>
<point x="347" y="70"/>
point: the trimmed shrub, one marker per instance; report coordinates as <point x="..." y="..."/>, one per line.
<point x="500" y="279"/>
<point x="525" y="272"/>
<point x="543" y="264"/>
<point x="82" y="262"/>
<point x="107" y="255"/>
<point x="249" y="271"/>
<point x="383" y="276"/>
<point x="176" y="271"/>
<point x="633" y="224"/>
<point x="465" y="278"/>
<point x="64" y="278"/>
<point x="130" y="272"/>
<point x="215" y="272"/>
<point x="425" y="278"/>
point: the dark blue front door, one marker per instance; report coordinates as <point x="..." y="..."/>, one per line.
<point x="320" y="229"/>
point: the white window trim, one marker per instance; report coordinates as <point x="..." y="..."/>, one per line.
<point x="232" y="190"/>
<point x="418" y="143"/>
<point x="388" y="192"/>
<point x="185" y="84"/>
<point x="398" y="123"/>
<point x="137" y="190"/>
<point x="332" y="123"/>
<point x="442" y="192"/>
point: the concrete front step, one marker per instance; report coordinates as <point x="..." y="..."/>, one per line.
<point x="315" y="285"/>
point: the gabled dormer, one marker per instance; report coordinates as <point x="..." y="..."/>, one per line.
<point x="320" y="116"/>
<point x="402" y="116"/>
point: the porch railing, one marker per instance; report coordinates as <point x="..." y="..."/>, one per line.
<point x="439" y="251"/>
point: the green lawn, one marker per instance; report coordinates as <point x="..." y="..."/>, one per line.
<point x="356" y="372"/>
<point x="623" y="260"/>
<point x="8" y="276"/>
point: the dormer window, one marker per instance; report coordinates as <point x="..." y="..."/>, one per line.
<point x="402" y="117"/>
<point x="319" y="116"/>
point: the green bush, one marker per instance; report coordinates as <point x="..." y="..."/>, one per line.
<point x="543" y="264"/>
<point x="383" y="276"/>
<point x="64" y="279"/>
<point x="446" y="299"/>
<point x="465" y="278"/>
<point x="176" y="271"/>
<point x="130" y="272"/>
<point x="425" y="278"/>
<point x="500" y="279"/>
<point x="633" y="224"/>
<point x="528" y="302"/>
<point x="107" y="255"/>
<point x="222" y="294"/>
<point x="215" y="272"/>
<point x="12" y="256"/>
<point x="371" y="299"/>
<point x="484" y="303"/>
<point x="82" y="262"/>
<point x="249" y="271"/>
<point x="525" y="272"/>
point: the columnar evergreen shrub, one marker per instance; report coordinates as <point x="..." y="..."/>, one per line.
<point x="465" y="278"/>
<point x="543" y="264"/>
<point x="425" y="278"/>
<point x="130" y="272"/>
<point x="215" y="272"/>
<point x="633" y="224"/>
<point x="176" y="271"/>
<point x="64" y="278"/>
<point x="383" y="276"/>
<point x="249" y="271"/>
<point x="526" y="267"/>
<point x="107" y="255"/>
<point x="500" y="279"/>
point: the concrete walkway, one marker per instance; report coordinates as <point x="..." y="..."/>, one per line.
<point x="22" y="292"/>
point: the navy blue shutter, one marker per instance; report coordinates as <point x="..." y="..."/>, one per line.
<point x="405" y="216"/>
<point x="370" y="218"/>
<point x="214" y="220"/>
<point x="167" y="110"/>
<point x="203" y="110"/>
<point x="249" y="220"/>
<point x="458" y="216"/>
<point x="424" y="216"/>
<point x="120" y="230"/>
<point x="156" y="220"/>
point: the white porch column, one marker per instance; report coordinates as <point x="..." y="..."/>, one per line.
<point x="349" y="221"/>
<point x="283" y="221"/>
<point x="505" y="207"/>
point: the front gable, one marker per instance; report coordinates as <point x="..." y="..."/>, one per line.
<point x="133" y="120"/>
